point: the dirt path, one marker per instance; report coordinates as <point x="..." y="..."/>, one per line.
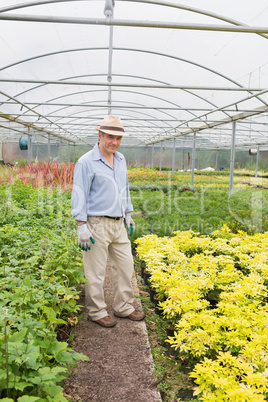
<point x="121" y="364"/>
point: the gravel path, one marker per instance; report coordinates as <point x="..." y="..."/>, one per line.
<point x="121" y="364"/>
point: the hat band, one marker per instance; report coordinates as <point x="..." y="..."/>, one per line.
<point x="111" y="128"/>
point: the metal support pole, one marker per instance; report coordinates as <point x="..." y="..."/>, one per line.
<point x="29" y="153"/>
<point x="74" y="153"/>
<point x="257" y="163"/>
<point x="173" y="155"/>
<point x="133" y="23"/>
<point x="60" y="151"/>
<point x="152" y="155"/>
<point x="193" y="161"/>
<point x="182" y="156"/>
<point x="68" y="152"/>
<point x="161" y="151"/>
<point x="108" y="12"/>
<point x="48" y="147"/>
<point x="216" y="162"/>
<point x="109" y="77"/>
<point x="232" y="161"/>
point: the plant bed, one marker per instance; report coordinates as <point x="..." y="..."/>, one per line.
<point x="39" y="290"/>
<point x="216" y="295"/>
<point x="171" y="371"/>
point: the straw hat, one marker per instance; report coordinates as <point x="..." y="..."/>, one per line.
<point x="112" y="125"/>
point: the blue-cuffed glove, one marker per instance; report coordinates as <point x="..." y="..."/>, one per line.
<point x="130" y="224"/>
<point x="84" y="237"/>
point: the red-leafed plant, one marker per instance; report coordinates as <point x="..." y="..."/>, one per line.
<point x="48" y="174"/>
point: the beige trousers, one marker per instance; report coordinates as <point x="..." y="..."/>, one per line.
<point x="111" y="240"/>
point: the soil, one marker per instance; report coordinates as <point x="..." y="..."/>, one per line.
<point x="121" y="365"/>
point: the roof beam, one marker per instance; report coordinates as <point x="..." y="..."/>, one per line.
<point x="239" y="116"/>
<point x="33" y="126"/>
<point x="155" y="107"/>
<point x="132" y="23"/>
<point x="8" y="116"/>
<point x="112" y="84"/>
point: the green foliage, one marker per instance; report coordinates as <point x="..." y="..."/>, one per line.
<point x="165" y="203"/>
<point x="163" y="213"/>
<point x="40" y="274"/>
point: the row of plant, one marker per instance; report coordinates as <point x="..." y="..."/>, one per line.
<point x="170" y="372"/>
<point x="164" y="202"/>
<point x="40" y="273"/>
<point x="203" y="211"/>
<point x="146" y="176"/>
<point x="214" y="293"/>
<point x="53" y="173"/>
<point x="39" y="174"/>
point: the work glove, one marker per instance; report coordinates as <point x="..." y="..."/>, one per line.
<point x="130" y="224"/>
<point x="84" y="237"/>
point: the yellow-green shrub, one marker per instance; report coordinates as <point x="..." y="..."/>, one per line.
<point x="216" y="296"/>
<point x="229" y="378"/>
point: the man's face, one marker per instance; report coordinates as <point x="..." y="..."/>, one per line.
<point x="109" y="143"/>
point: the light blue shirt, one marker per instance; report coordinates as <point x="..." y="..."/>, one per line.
<point x="99" y="189"/>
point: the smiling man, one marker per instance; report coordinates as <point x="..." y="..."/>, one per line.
<point x="102" y="207"/>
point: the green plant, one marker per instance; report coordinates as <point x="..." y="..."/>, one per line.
<point x="40" y="275"/>
<point x="216" y="298"/>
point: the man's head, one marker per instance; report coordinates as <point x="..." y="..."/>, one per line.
<point x="110" y="134"/>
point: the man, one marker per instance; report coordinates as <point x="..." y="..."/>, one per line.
<point x="102" y="206"/>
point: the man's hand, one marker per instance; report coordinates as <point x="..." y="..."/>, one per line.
<point x="130" y="224"/>
<point x="84" y="237"/>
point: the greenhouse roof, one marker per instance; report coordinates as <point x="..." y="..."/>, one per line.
<point x="168" y="69"/>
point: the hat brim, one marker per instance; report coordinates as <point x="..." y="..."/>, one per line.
<point x="113" y="132"/>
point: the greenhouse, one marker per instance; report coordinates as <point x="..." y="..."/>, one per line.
<point x="189" y="81"/>
<point x="190" y="75"/>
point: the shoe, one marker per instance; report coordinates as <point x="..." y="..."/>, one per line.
<point x="134" y="316"/>
<point x="106" y="321"/>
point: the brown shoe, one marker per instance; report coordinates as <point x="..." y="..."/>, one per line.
<point x="106" y="322"/>
<point x="134" y="316"/>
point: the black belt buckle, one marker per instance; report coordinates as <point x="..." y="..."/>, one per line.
<point x="116" y="218"/>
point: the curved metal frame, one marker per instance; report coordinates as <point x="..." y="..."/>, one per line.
<point x="134" y="50"/>
<point x="244" y="28"/>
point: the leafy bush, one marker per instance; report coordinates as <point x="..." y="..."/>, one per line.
<point x="214" y="292"/>
<point x="41" y="270"/>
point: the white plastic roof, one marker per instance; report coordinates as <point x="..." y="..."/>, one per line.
<point x="168" y="69"/>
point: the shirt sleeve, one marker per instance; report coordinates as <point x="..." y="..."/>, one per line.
<point x="80" y="193"/>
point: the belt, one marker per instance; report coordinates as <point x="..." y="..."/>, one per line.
<point x="116" y="218"/>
